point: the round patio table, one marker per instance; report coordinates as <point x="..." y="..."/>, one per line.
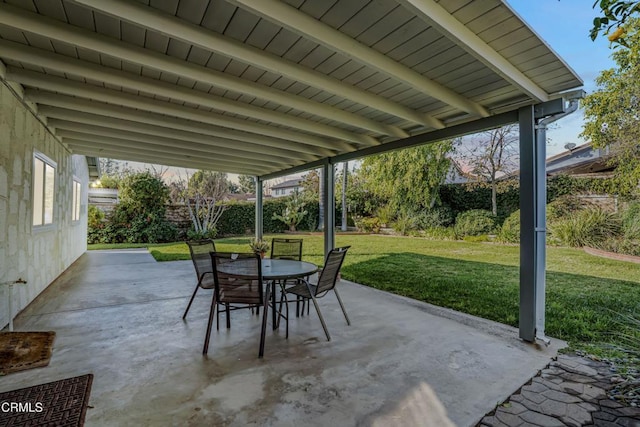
<point x="273" y="270"/>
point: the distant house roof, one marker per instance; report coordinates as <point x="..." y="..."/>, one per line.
<point x="290" y="183"/>
<point x="583" y="159"/>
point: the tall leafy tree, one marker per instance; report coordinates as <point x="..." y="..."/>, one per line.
<point x="612" y="113"/>
<point x="492" y="155"/>
<point x="615" y="14"/>
<point x="408" y="179"/>
<point x="311" y="184"/>
<point x="247" y="184"/>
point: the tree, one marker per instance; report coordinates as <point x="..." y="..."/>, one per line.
<point x="361" y="201"/>
<point x="113" y="172"/>
<point x="139" y="217"/>
<point x="612" y="113"/>
<point x="293" y="212"/>
<point x="492" y="155"/>
<point x="247" y="184"/>
<point x="615" y="13"/>
<point x="408" y="179"/>
<point x="115" y="168"/>
<point x="201" y="193"/>
<point x="310" y="184"/>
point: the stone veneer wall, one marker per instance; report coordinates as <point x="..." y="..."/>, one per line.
<point x="38" y="255"/>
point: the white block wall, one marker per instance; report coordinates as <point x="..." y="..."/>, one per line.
<point x="36" y="255"/>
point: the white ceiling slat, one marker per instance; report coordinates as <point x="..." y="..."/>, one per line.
<point x="251" y="55"/>
<point x="218" y="15"/>
<point x="324" y="34"/>
<point x="262" y="34"/>
<point x="104" y="45"/>
<point x="36" y="56"/>
<point x="289" y="46"/>
<point x="132" y="34"/>
<point x="137" y="121"/>
<point x="304" y="142"/>
<point x="192" y="10"/>
<point x="169" y="145"/>
<point x="108" y="25"/>
<point x="102" y="149"/>
<point x="436" y="15"/>
<point x="168" y="142"/>
<point x="53" y="8"/>
<point x="341" y="12"/>
<point x="156" y="42"/>
<point x="241" y="25"/>
<point x="383" y="22"/>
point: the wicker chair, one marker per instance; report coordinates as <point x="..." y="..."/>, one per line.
<point x="235" y="292"/>
<point x="327" y="279"/>
<point x="199" y="251"/>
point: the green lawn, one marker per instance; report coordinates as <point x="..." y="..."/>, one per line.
<point x="586" y="296"/>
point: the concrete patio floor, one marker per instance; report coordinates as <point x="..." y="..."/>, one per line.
<point x="117" y="314"/>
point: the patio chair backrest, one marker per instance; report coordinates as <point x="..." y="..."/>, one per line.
<point x="199" y="250"/>
<point x="329" y="274"/>
<point x="232" y="289"/>
<point x="286" y="249"/>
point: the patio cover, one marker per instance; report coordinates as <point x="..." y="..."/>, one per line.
<point x="268" y="87"/>
<point x="258" y="87"/>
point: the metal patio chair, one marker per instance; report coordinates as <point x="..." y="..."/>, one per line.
<point x="327" y="279"/>
<point x="234" y="292"/>
<point x="199" y="251"/>
<point x="286" y="249"/>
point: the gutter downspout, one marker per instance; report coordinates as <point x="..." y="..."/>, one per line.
<point x="541" y="213"/>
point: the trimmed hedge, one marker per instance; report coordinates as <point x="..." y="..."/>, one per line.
<point x="474" y="223"/>
<point x="462" y="198"/>
<point x="239" y="217"/>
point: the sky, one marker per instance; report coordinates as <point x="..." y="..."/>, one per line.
<point x="565" y="25"/>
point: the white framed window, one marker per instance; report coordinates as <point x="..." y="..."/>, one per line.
<point x="75" y="207"/>
<point x="44" y="173"/>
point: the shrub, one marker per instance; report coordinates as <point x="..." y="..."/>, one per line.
<point x="140" y="215"/>
<point x="386" y="214"/>
<point x="404" y="223"/>
<point x="510" y="230"/>
<point x="209" y="234"/>
<point x="621" y="246"/>
<point x="631" y="222"/>
<point x="95" y="225"/>
<point x="480" y="238"/>
<point x="563" y="206"/>
<point x="474" y="223"/>
<point x="435" y="217"/>
<point x="589" y="227"/>
<point x="369" y="224"/>
<point x="95" y="217"/>
<point x="440" y="233"/>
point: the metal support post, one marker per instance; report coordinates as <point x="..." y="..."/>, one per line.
<point x="329" y="207"/>
<point x="259" y="208"/>
<point x="528" y="208"/>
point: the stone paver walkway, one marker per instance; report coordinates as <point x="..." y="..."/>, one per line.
<point x="571" y="391"/>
